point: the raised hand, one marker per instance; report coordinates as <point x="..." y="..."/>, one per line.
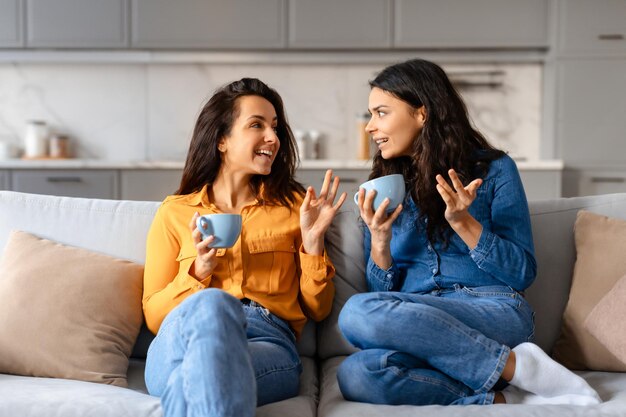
<point x="458" y="201"/>
<point x="317" y="212"/>
<point x="379" y="224"/>
<point x="206" y="260"/>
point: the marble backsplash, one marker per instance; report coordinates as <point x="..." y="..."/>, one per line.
<point x="146" y="111"/>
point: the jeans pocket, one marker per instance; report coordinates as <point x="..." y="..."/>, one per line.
<point x="277" y="322"/>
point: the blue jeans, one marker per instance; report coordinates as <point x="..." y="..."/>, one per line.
<point x="445" y="347"/>
<point x="214" y="356"/>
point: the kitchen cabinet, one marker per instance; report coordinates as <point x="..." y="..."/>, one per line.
<point x="471" y="24"/>
<point x="11" y="23"/>
<point x="149" y="184"/>
<point x="208" y="24"/>
<point x="340" y="24"/>
<point x="541" y="184"/>
<point x="71" y="183"/>
<point x="350" y="180"/>
<point x="594" y="181"/>
<point x="591" y="104"/>
<point x="592" y="27"/>
<point x="4" y="180"/>
<point x="77" y="23"/>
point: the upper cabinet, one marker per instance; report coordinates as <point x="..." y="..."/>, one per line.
<point x="11" y="27"/>
<point x="592" y="27"/>
<point x="471" y="23"/>
<point x="591" y="125"/>
<point x="211" y="24"/>
<point x="292" y="24"/>
<point x="340" y="24"/>
<point x="77" y="23"/>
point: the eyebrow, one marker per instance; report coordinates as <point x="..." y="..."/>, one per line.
<point x="258" y="116"/>
<point x="380" y="107"/>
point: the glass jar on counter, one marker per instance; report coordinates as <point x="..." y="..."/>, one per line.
<point x="59" y="146"/>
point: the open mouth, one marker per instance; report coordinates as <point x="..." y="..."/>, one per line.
<point x="265" y="153"/>
<point x="381" y="141"/>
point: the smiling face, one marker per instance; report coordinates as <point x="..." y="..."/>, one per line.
<point x="252" y="144"/>
<point x="394" y="124"/>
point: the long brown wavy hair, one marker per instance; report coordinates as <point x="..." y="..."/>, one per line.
<point x="446" y="141"/>
<point x="216" y="121"/>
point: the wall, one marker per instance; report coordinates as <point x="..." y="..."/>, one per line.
<point x="147" y="110"/>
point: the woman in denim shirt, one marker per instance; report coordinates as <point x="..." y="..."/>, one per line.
<point x="445" y="321"/>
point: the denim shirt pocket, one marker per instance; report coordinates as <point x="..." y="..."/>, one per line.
<point x="271" y="260"/>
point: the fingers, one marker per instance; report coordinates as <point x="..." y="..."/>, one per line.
<point x="339" y="203"/>
<point x="333" y="190"/>
<point x="192" y="223"/>
<point x="203" y="246"/>
<point x="310" y="192"/>
<point x="326" y="183"/>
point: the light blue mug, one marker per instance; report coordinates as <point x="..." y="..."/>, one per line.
<point x="389" y="186"/>
<point x="224" y="226"/>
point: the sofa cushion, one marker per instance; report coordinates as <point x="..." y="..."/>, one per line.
<point x="606" y="320"/>
<point x="73" y="313"/>
<point x="600" y="262"/>
<point x="344" y="243"/>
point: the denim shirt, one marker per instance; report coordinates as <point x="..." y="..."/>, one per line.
<point x="504" y="254"/>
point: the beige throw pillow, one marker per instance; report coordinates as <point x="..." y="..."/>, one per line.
<point x="606" y="320"/>
<point x="67" y="312"/>
<point x="600" y="263"/>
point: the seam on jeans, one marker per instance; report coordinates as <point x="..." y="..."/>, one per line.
<point x="432" y="381"/>
<point x="497" y="372"/>
<point x="418" y="378"/>
<point x="275" y="370"/>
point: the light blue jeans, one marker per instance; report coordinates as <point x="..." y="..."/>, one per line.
<point x="214" y="356"/>
<point x="445" y="347"/>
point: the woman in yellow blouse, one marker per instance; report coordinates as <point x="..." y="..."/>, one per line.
<point x="227" y="320"/>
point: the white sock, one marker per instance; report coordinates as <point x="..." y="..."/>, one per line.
<point x="539" y="374"/>
<point x="514" y="395"/>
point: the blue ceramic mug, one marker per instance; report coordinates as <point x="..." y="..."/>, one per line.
<point x="224" y="226"/>
<point x="389" y="186"/>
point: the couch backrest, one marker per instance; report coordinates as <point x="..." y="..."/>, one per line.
<point x="113" y="227"/>
<point x="555" y="251"/>
<point x="553" y="225"/>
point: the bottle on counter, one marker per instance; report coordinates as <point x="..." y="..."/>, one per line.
<point x="36" y="139"/>
<point x="300" y="137"/>
<point x="314" y="137"/>
<point x="364" y="151"/>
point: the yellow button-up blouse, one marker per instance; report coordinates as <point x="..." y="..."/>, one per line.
<point x="267" y="263"/>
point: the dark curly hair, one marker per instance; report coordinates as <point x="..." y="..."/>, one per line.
<point x="446" y="141"/>
<point x="216" y="121"/>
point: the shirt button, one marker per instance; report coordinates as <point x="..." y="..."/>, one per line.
<point x="434" y="270"/>
<point x="430" y="248"/>
<point x="389" y="275"/>
<point x="199" y="286"/>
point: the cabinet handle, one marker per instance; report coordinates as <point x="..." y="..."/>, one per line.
<point x="64" y="179"/>
<point x="611" y="37"/>
<point x="607" y="179"/>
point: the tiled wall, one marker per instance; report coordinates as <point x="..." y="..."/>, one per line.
<point x="147" y="111"/>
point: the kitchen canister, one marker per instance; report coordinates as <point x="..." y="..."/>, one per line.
<point x="36" y="139"/>
<point x="59" y="146"/>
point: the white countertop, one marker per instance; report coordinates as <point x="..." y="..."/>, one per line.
<point x="537" y="165"/>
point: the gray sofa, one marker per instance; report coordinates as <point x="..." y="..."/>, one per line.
<point x="119" y="228"/>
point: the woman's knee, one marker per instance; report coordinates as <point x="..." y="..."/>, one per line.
<point x="358" y="317"/>
<point x="212" y="304"/>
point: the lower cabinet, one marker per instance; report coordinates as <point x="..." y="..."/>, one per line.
<point x="350" y="179"/>
<point x="541" y="184"/>
<point x="149" y="184"/>
<point x="4" y="180"/>
<point x="580" y="182"/>
<point x="70" y="183"/>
